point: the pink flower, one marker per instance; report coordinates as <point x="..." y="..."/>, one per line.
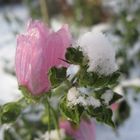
<point x="114" y="106"/>
<point x="85" y="131"/>
<point x="37" y="51"/>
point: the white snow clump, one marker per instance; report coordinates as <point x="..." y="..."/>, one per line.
<point x="98" y="50"/>
<point x="53" y="135"/>
<point x="107" y="96"/>
<point x="74" y="97"/>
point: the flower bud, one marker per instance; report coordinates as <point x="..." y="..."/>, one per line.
<point x="85" y="130"/>
<point x="37" y="51"/>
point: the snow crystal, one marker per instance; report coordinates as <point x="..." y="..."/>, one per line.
<point x="94" y="102"/>
<point x="99" y="52"/>
<point x="73" y="94"/>
<point x="53" y="135"/>
<point x="81" y="100"/>
<point x="72" y="71"/>
<point x="75" y="97"/>
<point x="107" y="96"/>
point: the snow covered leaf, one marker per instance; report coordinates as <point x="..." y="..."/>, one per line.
<point x="115" y="98"/>
<point x="72" y="114"/>
<point x="107" y="96"/>
<point x="76" y="98"/>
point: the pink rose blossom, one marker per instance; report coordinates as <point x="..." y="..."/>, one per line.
<point x="37" y="51"/>
<point x="85" y="131"/>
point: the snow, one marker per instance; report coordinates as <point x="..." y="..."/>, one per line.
<point x="133" y="82"/>
<point x="8" y="82"/>
<point x="75" y="97"/>
<point x="53" y="135"/>
<point x="93" y="102"/>
<point x="9" y="88"/>
<point x="72" y="70"/>
<point x="73" y="94"/>
<point x="128" y="131"/>
<point x="107" y="96"/>
<point x="98" y="50"/>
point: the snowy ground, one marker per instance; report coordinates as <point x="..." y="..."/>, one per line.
<point x="8" y="84"/>
<point x="130" y="130"/>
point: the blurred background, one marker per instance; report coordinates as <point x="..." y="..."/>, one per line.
<point x="118" y="19"/>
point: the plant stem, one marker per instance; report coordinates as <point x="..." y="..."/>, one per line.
<point x="52" y="112"/>
<point x="48" y="110"/>
<point x="44" y="11"/>
<point x="55" y="122"/>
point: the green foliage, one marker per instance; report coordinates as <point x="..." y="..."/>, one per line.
<point x="8" y="135"/>
<point x="29" y="97"/>
<point x="123" y="113"/>
<point x="84" y="11"/>
<point x="10" y="112"/>
<point x="74" y="56"/>
<point x="114" y="77"/>
<point x="61" y="89"/>
<point x="115" y="98"/>
<point x="98" y="93"/>
<point x="86" y="78"/>
<point x="25" y="127"/>
<point x="92" y="79"/>
<point x="72" y="114"/>
<point x="57" y="76"/>
<point x="102" y="114"/>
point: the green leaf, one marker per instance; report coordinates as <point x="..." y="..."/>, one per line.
<point x="123" y="113"/>
<point x="61" y="89"/>
<point x="114" y="77"/>
<point x="92" y="79"/>
<point x="102" y="114"/>
<point x="8" y="135"/>
<point x="86" y="78"/>
<point x="101" y="81"/>
<point x="28" y="95"/>
<point x="10" y="112"/>
<point x="72" y="114"/>
<point x="57" y="76"/>
<point x="98" y="93"/>
<point x="74" y="56"/>
<point x="115" y="98"/>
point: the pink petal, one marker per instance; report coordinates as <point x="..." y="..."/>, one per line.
<point x="37" y="51"/>
<point x="85" y="131"/>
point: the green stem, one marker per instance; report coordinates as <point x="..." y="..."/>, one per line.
<point x="48" y="109"/>
<point x="55" y="122"/>
<point x="44" y="11"/>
